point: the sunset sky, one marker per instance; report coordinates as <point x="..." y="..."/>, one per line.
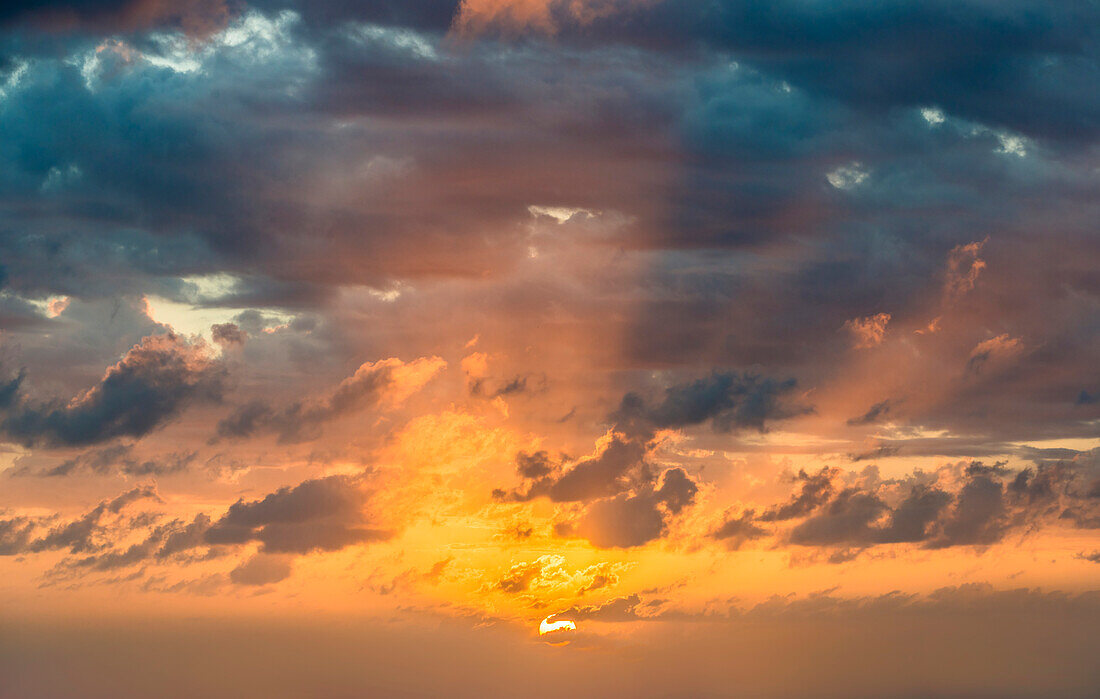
<point x="746" y="348"/>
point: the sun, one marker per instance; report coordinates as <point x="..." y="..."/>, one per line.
<point x="556" y="627"/>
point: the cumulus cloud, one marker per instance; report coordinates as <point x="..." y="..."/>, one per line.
<point x="869" y="331"/>
<point x="550" y="573"/>
<point x="540" y="16"/>
<point x="261" y="569"/>
<point x="963" y="268"/>
<point x="628" y="501"/>
<point x="973" y="504"/>
<point x="228" y="334"/>
<point x="729" y="401"/>
<point x="385" y="382"/>
<point x="320" y="515"/>
<point x="703" y="201"/>
<point x="325" y="514"/>
<point x="85" y="534"/>
<point x="152" y="383"/>
<point x="736" y="531"/>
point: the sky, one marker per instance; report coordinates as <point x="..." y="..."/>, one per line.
<point x="661" y="348"/>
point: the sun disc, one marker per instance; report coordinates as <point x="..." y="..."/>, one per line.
<point x="548" y="626"/>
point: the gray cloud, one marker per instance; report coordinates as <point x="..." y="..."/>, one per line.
<point x="735" y="532"/>
<point x="303" y="420"/>
<point x="151" y="384"/>
<point x="325" y="514"/>
<point x="261" y="569"/>
<point x="85" y="534"/>
<point x="989" y="503"/>
<point x="873" y="414"/>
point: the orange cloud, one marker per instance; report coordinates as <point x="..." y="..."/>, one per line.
<point x="963" y="268"/>
<point x="869" y="331"/>
<point x="544" y="16"/>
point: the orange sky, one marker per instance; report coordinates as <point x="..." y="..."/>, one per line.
<point x="751" y="348"/>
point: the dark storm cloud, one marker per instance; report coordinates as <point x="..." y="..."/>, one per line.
<point x="194" y="16"/>
<point x="1024" y="63"/>
<point x="134" y="202"/>
<point x="723" y="148"/>
<point x="150" y="385"/>
<point x="9" y="389"/>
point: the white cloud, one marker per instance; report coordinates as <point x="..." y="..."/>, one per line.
<point x="933" y="115"/>
<point x="559" y="213"/>
<point x="847" y="176"/>
<point x="61" y="177"/>
<point x="402" y="40"/>
<point x="13" y="78"/>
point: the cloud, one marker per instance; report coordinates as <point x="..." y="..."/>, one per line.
<point x="624" y="505"/>
<point x="480" y="382"/>
<point x="995" y="349"/>
<point x="622" y="522"/>
<point x="320" y="515"/>
<point x="963" y="268"/>
<point x="115" y="458"/>
<point x="15" y="535"/>
<point x="737" y="531"/>
<point x="333" y="180"/>
<point x="262" y="569"/>
<point x="152" y="383"/>
<point x="730" y="401"/>
<point x="880" y="452"/>
<point x="228" y="334"/>
<point x="385" y="382"/>
<point x="196" y="17"/>
<point x="619" y="609"/>
<point x="543" y="572"/>
<point x="325" y="514"/>
<point x="540" y="16"/>
<point x="966" y="504"/>
<point x="873" y="414"/>
<point x="85" y="534"/>
<point x="869" y="331"/>
<point x="814" y="491"/>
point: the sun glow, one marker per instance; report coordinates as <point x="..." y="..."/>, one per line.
<point x="548" y="626"/>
